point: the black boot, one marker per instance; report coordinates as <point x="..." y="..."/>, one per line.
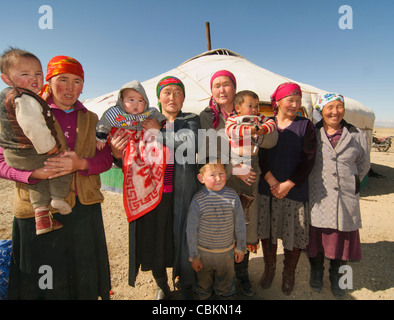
<point x="334" y="278"/>
<point x="242" y="276"/>
<point x="163" y="289"/>
<point x="317" y="271"/>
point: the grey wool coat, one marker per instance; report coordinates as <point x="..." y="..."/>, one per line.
<point x="334" y="182"/>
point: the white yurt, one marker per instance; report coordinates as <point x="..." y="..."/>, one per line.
<point x="196" y="74"/>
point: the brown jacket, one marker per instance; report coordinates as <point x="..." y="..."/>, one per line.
<point x="88" y="186"/>
<point x="12" y="135"/>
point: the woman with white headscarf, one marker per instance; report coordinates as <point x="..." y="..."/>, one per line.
<point x="342" y="161"/>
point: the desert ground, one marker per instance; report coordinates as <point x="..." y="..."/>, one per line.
<point x="373" y="276"/>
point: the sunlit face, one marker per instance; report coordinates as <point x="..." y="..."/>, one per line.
<point x="289" y="106"/>
<point x="333" y="113"/>
<point x="171" y="98"/>
<point x="133" y="101"/>
<point x="249" y="107"/>
<point x="25" y="73"/>
<point x="223" y="90"/>
<point x="214" y="177"/>
<point x="66" y="89"/>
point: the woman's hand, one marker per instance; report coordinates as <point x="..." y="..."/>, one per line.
<point x="282" y="189"/>
<point x="119" y="141"/>
<point x="65" y="163"/>
<point x="151" y="124"/>
<point x="44" y="173"/>
<point x="245" y="173"/>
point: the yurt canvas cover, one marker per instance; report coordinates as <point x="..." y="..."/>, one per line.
<point x="196" y="74"/>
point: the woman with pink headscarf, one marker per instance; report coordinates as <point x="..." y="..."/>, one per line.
<point x="283" y="186"/>
<point x="221" y="106"/>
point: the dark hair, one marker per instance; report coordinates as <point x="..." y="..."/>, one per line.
<point x="10" y="55"/>
<point x="240" y="96"/>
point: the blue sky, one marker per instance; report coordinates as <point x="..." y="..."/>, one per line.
<point x="118" y="41"/>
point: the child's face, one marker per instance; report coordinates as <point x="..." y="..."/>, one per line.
<point x="214" y="177"/>
<point x="133" y="101"/>
<point x="25" y="73"/>
<point x="250" y="107"/>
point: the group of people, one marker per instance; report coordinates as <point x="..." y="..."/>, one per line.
<point x="264" y="179"/>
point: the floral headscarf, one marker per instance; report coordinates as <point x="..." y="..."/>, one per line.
<point x="326" y="98"/>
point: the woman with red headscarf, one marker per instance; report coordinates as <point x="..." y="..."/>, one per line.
<point x="75" y="258"/>
<point x="283" y="186"/>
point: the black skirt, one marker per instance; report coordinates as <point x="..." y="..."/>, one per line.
<point x="151" y="240"/>
<point x="66" y="264"/>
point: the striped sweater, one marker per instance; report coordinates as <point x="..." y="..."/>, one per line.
<point x="238" y="130"/>
<point x="215" y="222"/>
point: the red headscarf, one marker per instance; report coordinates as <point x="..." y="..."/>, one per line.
<point x="58" y="65"/>
<point x="284" y="90"/>
<point x="212" y="103"/>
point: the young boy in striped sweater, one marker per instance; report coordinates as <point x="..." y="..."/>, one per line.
<point x="216" y="233"/>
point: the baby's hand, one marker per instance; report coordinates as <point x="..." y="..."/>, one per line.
<point x="261" y="131"/>
<point x="100" y="145"/>
<point x="54" y="150"/>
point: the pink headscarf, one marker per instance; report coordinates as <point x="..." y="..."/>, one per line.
<point x="284" y="90"/>
<point x="212" y="103"/>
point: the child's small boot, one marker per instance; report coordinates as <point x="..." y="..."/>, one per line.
<point x="44" y="221"/>
<point x="62" y="206"/>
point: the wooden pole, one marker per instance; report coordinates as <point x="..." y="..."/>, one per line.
<point x="208" y="32"/>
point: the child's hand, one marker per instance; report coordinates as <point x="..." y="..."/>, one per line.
<point x="196" y="265"/>
<point x="100" y="145"/>
<point x="238" y="257"/>
<point x="261" y="131"/>
<point x="54" y="150"/>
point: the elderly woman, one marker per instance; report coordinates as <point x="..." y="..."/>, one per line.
<point x="158" y="239"/>
<point x="221" y="106"/>
<point x="284" y="186"/>
<point x="342" y="161"/>
<point x="74" y="258"/>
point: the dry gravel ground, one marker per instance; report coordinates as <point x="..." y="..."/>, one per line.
<point x="373" y="276"/>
